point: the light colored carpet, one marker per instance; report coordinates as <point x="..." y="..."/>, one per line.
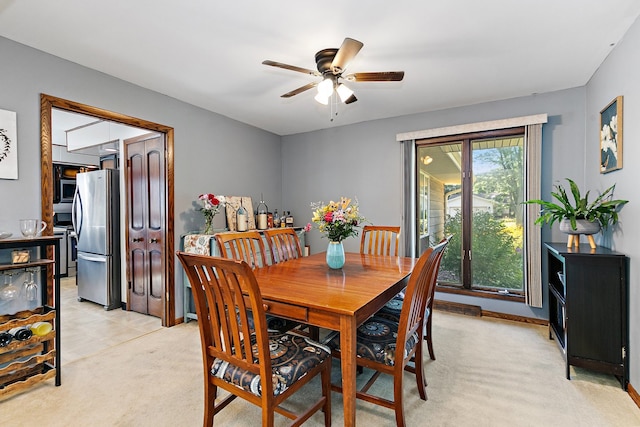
<point x="488" y="372"/>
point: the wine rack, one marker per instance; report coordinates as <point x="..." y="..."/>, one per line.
<point x="36" y="359"/>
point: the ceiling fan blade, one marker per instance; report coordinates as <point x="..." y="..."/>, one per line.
<point x="351" y="99"/>
<point x="345" y="54"/>
<point x="299" y="90"/>
<point x="382" y="76"/>
<point x="291" y="67"/>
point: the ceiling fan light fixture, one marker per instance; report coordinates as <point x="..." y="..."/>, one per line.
<point x="344" y="92"/>
<point x="325" y="87"/>
<point x="322" y="99"/>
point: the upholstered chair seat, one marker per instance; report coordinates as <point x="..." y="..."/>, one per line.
<point x="376" y="341"/>
<point x="292" y="357"/>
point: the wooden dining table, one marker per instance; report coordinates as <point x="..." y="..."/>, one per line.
<point x="307" y="290"/>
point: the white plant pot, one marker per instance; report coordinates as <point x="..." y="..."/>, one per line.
<point x="582" y="227"/>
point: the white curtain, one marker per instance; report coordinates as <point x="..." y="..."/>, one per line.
<point x="532" y="234"/>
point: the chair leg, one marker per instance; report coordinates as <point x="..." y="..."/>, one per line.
<point x="421" y="381"/>
<point x="325" y="377"/>
<point x="427" y="337"/>
<point x="210" y="393"/>
<point x="314" y="333"/>
<point x="397" y="400"/>
<point x="267" y="417"/>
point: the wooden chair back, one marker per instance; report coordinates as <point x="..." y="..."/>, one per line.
<point x="418" y="293"/>
<point x="246" y="246"/>
<point x="380" y="240"/>
<point x="428" y="335"/>
<point x="445" y="241"/>
<point x="284" y="244"/>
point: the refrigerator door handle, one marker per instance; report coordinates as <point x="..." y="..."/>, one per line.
<point x="77" y="203"/>
<point x="92" y="258"/>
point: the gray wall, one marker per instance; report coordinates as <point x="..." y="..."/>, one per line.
<point x="213" y="154"/>
<point x="618" y="75"/>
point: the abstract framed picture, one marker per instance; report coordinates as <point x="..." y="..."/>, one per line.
<point x="8" y="145"/>
<point x="611" y="136"/>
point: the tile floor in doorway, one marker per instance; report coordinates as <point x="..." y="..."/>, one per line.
<point x="87" y="328"/>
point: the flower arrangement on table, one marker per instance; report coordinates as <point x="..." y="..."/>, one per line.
<point x="337" y="220"/>
<point x="211" y="205"/>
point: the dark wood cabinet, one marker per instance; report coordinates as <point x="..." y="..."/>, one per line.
<point x="588" y="307"/>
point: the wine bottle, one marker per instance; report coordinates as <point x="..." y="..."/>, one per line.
<point x="41" y="328"/>
<point x="241" y="219"/>
<point x="21" y="333"/>
<point x="5" y="339"/>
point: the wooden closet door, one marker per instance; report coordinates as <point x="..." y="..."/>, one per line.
<point x="146" y="204"/>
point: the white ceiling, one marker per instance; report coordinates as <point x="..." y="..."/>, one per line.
<point x="209" y="53"/>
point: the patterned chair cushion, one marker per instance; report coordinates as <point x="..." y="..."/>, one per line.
<point x="376" y="340"/>
<point x="292" y="356"/>
<point x="392" y="309"/>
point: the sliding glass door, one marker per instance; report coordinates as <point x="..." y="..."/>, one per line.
<point x="471" y="187"/>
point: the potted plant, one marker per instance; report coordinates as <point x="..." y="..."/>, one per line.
<point x="579" y="216"/>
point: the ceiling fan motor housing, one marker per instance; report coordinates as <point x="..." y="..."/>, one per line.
<point x="324" y="58"/>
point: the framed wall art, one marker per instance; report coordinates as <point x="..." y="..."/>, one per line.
<point x="8" y="145"/>
<point x="611" y="136"/>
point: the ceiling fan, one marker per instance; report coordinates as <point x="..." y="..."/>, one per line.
<point x="331" y="64"/>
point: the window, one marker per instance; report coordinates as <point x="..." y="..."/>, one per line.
<point x="471" y="186"/>
<point x="423" y="200"/>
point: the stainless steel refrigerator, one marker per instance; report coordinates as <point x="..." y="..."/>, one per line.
<point x="96" y="220"/>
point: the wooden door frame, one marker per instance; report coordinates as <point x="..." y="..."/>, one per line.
<point x="47" y="102"/>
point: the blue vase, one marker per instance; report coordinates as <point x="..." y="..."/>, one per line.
<point x="335" y="255"/>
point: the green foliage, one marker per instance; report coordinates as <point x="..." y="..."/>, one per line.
<point x="496" y="253"/>
<point x="503" y="183"/>
<point x="603" y="209"/>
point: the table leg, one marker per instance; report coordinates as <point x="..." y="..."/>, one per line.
<point x="348" y="367"/>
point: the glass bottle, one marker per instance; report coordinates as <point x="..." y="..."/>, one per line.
<point x="276" y="219"/>
<point x="41" y="328"/>
<point x="262" y="212"/>
<point x="21" y="333"/>
<point x="5" y="338"/>
<point x="289" y="220"/>
<point x="241" y="218"/>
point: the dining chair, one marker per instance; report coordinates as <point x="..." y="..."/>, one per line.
<point x="245" y="245"/>
<point x="248" y="246"/>
<point x="393" y="308"/>
<point x="284" y="245"/>
<point x="245" y="360"/>
<point x="388" y="347"/>
<point x="380" y="240"/>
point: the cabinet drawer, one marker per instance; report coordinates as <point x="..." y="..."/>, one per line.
<point x="294" y="312"/>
